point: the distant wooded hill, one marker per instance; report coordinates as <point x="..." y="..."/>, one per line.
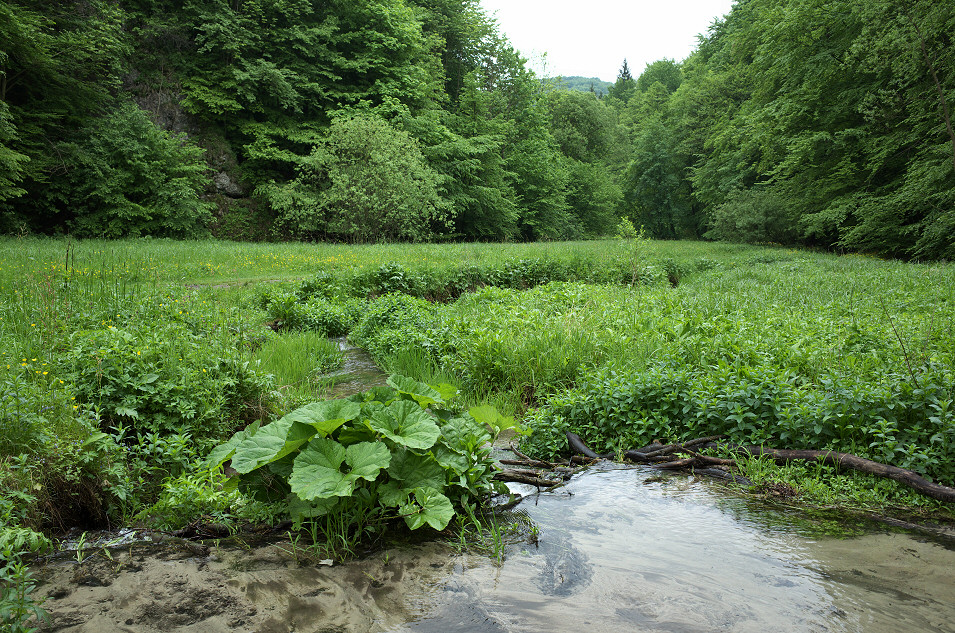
<point x="583" y="84"/>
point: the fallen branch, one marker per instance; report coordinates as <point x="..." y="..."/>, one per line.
<point x="533" y="463"/>
<point x="579" y="446"/>
<point x="676" y="448"/>
<point x="530" y="477"/>
<point x="907" y="477"/>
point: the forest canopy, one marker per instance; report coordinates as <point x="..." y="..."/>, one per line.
<point x="802" y="122"/>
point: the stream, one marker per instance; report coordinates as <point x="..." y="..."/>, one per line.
<point x="617" y="549"/>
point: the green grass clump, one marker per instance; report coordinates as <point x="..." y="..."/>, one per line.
<point x="296" y="361"/>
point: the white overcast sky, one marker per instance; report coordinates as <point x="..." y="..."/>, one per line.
<point x="591" y="38"/>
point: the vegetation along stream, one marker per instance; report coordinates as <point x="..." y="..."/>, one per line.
<point x="616" y="549"/>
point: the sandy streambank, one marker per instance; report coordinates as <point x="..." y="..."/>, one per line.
<point x="184" y="587"/>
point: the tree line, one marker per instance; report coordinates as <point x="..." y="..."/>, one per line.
<point x="823" y="123"/>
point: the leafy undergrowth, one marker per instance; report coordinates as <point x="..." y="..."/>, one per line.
<point x="119" y="376"/>
<point x="343" y="470"/>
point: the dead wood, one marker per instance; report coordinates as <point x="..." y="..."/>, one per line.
<point x="677" y="464"/>
<point x="847" y="460"/>
<point x="580" y="447"/>
<point x="675" y="448"/>
<point x="533" y="463"/>
<point x="531" y="477"/>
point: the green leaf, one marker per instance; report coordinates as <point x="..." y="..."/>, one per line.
<point x="423" y="394"/>
<point x="222" y="452"/>
<point x="317" y="471"/>
<point x="327" y="416"/>
<point x="366" y="459"/>
<point x="287" y="434"/>
<point x="259" y="449"/>
<point x="391" y="494"/>
<point x="452" y="460"/>
<point x="446" y="391"/>
<point x="430" y="507"/>
<point x="128" y="412"/>
<point x="355" y="434"/>
<point x="406" y="424"/>
<point x="464" y="434"/>
<point x="486" y="414"/>
<point x="299" y="509"/>
<point x="416" y="471"/>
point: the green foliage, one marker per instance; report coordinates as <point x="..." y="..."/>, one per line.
<point x="754" y="216"/>
<point x="131" y="178"/>
<point x="651" y="190"/>
<point x="666" y="72"/>
<point x="593" y="85"/>
<point x="161" y="379"/>
<point x="894" y="422"/>
<point x="371" y="459"/>
<point x="19" y="610"/>
<point x="366" y="181"/>
<point x="61" y="60"/>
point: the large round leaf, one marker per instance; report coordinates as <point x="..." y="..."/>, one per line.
<point x="326" y="416"/>
<point x="424" y="394"/>
<point x="366" y="459"/>
<point x="317" y="472"/>
<point x="406" y="424"/>
<point x="287" y="434"/>
<point x="327" y="469"/>
<point x="430" y="507"/>
<point x="416" y="471"/>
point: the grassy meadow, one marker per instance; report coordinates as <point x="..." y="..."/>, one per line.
<point x="125" y="363"/>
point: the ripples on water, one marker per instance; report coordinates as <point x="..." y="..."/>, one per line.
<point x="626" y="550"/>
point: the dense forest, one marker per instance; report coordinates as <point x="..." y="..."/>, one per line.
<point x="815" y="122"/>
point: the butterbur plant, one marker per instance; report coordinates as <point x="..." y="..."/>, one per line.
<point x="351" y="465"/>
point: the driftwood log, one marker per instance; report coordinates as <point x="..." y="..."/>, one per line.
<point x="847" y="460"/>
<point x="661" y="456"/>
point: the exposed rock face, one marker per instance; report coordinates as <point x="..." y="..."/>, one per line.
<point x="225" y="185"/>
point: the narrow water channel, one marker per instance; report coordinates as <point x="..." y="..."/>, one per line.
<point x="358" y="372"/>
<point x="617" y="549"/>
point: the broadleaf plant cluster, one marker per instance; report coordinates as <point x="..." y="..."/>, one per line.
<point x="395" y="452"/>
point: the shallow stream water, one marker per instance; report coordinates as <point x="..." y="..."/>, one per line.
<point x="358" y="372"/>
<point x="627" y="550"/>
<point x="617" y="549"/>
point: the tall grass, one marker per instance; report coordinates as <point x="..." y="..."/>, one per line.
<point x="296" y="360"/>
<point x="213" y="262"/>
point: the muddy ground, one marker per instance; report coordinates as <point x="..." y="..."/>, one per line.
<point x="178" y="586"/>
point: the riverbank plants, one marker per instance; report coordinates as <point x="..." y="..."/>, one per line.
<point x="125" y="363"/>
<point x="344" y="469"/>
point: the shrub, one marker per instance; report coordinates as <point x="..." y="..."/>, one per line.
<point x="132" y="179"/>
<point x="353" y="465"/>
<point x="365" y="181"/>
<point x="894" y="421"/>
<point x="163" y="378"/>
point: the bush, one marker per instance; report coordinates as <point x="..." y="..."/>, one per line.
<point x="394" y="321"/>
<point x="348" y="467"/>
<point x="894" y="422"/>
<point x="134" y="179"/>
<point x="366" y="181"/>
<point x="163" y="378"/>
<point x="754" y="216"/>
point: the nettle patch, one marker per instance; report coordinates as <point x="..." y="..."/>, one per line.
<point x="351" y="465"/>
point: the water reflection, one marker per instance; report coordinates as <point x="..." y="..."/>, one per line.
<point x="617" y="553"/>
